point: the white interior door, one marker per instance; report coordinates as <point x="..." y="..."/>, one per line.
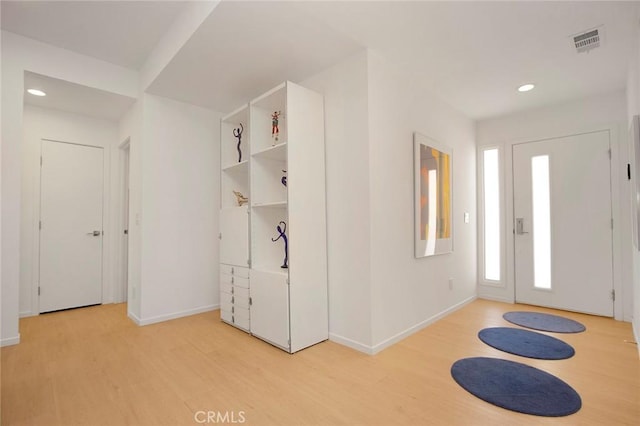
<point x="563" y="223"/>
<point x="71" y="191"/>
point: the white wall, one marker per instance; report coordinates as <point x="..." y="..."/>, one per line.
<point x="20" y="54"/>
<point x="41" y="123"/>
<point x="345" y="91"/>
<point x="130" y="128"/>
<point x="179" y="209"/>
<point x="410" y="293"/>
<point x="604" y="112"/>
<point x="378" y="292"/>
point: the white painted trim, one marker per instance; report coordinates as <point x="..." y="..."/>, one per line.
<point x="134" y="318"/>
<point x="372" y="350"/>
<point x="361" y="347"/>
<point x="107" y="285"/>
<point x="10" y="341"/>
<point x="174" y="315"/>
<point x="25" y="314"/>
<point x="616" y="169"/>
<point x="120" y="290"/>
<point x="495" y="298"/>
<point x="411" y="330"/>
<point x="636" y="334"/>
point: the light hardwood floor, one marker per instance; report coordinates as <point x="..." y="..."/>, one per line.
<point x="92" y="366"/>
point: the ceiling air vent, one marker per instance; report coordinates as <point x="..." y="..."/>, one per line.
<point x="587" y="40"/>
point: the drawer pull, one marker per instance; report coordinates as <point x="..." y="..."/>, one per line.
<point x="233" y="320"/>
<point x="233" y="309"/>
<point x="232" y="280"/>
<point x="232" y="299"/>
<point x="232" y="270"/>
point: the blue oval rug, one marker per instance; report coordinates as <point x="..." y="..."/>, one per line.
<point x="516" y="387"/>
<point x="544" y="322"/>
<point x="526" y="343"/>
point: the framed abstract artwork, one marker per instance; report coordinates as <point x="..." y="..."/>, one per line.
<point x="432" y="197"/>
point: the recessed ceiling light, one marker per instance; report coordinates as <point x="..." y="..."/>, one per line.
<point x="36" y="92"/>
<point x="526" y="87"/>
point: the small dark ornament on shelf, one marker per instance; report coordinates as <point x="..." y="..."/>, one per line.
<point x="282" y="231"/>
<point x="284" y="178"/>
<point x="238" y="134"/>
<point x="275" y="130"/>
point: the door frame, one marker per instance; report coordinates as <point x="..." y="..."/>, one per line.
<point x="614" y="143"/>
<point x="505" y="290"/>
<point x="557" y="294"/>
<point x="106" y="225"/>
<point x="121" y="271"/>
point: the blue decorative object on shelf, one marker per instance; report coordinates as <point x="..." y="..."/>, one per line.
<point x="282" y="231"/>
<point x="284" y="178"/>
<point x="238" y="134"/>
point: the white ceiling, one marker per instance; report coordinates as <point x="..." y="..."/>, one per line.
<point x="120" y="32"/>
<point x="71" y="97"/>
<point x="472" y="54"/>
<point x="246" y="48"/>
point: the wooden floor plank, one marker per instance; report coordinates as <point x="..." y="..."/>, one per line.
<point x="93" y="366"/>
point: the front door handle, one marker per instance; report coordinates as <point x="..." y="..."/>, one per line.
<point x="520" y="226"/>
<point x="95" y="233"/>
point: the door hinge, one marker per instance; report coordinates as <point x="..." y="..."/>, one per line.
<point x="609" y="153"/>
<point x="40" y="225"/>
<point x="250" y="301"/>
<point x="41" y="161"/>
<point x="220" y="236"/>
<point x="249" y="262"/>
<point x="611" y="223"/>
<point x="628" y="171"/>
<point x="613" y="295"/>
<point x="38" y="290"/>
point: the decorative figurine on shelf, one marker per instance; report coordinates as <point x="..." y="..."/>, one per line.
<point x="238" y="134"/>
<point x="275" y="130"/>
<point x="284" y="178"/>
<point x="282" y="231"/>
<point x="242" y="200"/>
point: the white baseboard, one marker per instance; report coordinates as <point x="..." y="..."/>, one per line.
<point x="173" y="315"/>
<point x="361" y="347"/>
<point x="9" y="341"/>
<point x="409" y="331"/>
<point x="134" y="318"/>
<point x="26" y="314"/>
<point x="495" y="298"/>
<point x="372" y="350"/>
<point x="635" y="325"/>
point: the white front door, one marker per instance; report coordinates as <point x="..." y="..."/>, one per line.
<point x="71" y="197"/>
<point x="563" y="223"/>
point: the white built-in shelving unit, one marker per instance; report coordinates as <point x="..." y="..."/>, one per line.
<point x="287" y="307"/>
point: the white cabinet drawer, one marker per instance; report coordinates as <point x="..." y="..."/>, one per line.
<point x="226" y="302"/>
<point x="237" y="271"/>
<point x="226" y="315"/>
<point x="234" y="280"/>
<point x="240" y="299"/>
<point x="226" y="287"/>
<point x="241" y="318"/>
<point x="237" y="317"/>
